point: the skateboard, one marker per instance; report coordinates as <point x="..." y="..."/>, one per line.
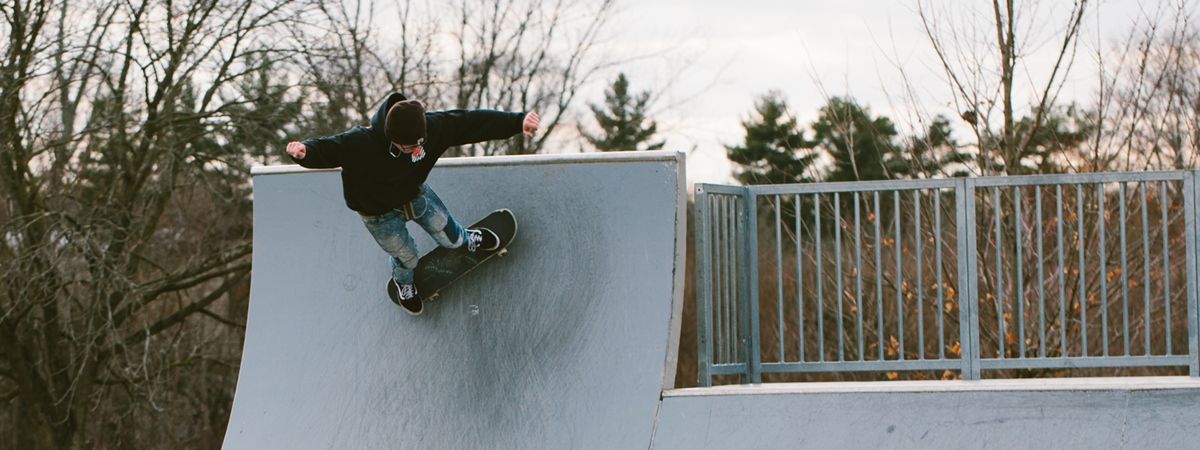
<point x="442" y="266"/>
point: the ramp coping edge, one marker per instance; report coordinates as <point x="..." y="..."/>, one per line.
<point x="507" y="160"/>
<point x="1054" y="384"/>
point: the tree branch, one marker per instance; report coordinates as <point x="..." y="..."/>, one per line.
<point x="181" y="284"/>
<point x="222" y="319"/>
<point x="10" y="394"/>
<point x="1040" y="115"/>
<point x="197" y="273"/>
<point x="192" y="308"/>
<point x="128" y="310"/>
<point x="191" y="359"/>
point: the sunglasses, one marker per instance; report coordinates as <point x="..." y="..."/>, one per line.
<point x="396" y="149"/>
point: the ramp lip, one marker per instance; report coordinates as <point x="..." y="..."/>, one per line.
<point x="1055" y="384"/>
<point x="507" y="160"/>
<point x="285" y="168"/>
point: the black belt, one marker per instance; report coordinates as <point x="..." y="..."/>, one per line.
<point x="406" y="208"/>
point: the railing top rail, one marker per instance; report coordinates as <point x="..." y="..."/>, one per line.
<point x="720" y="189"/>
<point x="852" y="186"/>
<point x="1079" y="178"/>
<point x="942" y="183"/>
<point x="822" y="188"/>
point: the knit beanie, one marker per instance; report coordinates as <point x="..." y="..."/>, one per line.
<point x="405" y="124"/>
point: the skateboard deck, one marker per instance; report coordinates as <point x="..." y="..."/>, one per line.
<point x="442" y="266"/>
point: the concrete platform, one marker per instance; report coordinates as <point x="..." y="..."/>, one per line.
<point x="1089" y="413"/>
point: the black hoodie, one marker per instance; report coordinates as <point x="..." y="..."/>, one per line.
<point x="373" y="180"/>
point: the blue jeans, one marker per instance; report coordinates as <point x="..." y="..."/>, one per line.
<point x="390" y="231"/>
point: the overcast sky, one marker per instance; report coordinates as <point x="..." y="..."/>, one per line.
<point x="732" y="51"/>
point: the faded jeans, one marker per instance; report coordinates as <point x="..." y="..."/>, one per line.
<point x="390" y="231"/>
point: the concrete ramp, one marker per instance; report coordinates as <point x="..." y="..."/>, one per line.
<point x="567" y="342"/>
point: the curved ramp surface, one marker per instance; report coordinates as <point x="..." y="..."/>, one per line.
<point x="567" y="342"/>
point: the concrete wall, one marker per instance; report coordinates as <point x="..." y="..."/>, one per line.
<point x="1111" y="413"/>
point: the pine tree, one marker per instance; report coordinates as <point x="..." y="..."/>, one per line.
<point x="775" y="151"/>
<point x="935" y="153"/>
<point x="263" y="125"/>
<point x="623" y="120"/>
<point x="862" y="147"/>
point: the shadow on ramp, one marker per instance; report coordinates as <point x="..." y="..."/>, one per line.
<point x="567" y="342"/>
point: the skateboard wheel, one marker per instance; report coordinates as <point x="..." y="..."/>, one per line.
<point x="502" y="252"/>
<point x="434" y="297"/>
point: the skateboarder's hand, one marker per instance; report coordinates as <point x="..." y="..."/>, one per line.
<point x="296" y="149"/>
<point x="530" y="124"/>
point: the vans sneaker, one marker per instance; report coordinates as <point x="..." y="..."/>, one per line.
<point x="482" y="239"/>
<point x="405" y="295"/>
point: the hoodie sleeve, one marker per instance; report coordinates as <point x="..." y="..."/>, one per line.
<point x="323" y="153"/>
<point x="463" y="127"/>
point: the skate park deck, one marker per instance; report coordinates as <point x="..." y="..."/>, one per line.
<point x="571" y="341"/>
<point x="1080" y="413"/>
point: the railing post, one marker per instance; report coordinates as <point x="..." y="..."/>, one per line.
<point x="703" y="255"/>
<point x="741" y="304"/>
<point x="1190" y="194"/>
<point x="751" y="280"/>
<point x="968" y="278"/>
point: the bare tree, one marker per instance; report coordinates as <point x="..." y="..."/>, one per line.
<point x="527" y="55"/>
<point x="117" y="234"/>
<point x="986" y="60"/>
<point x="1150" y="97"/>
<point x="358" y="52"/>
<point x="512" y="55"/>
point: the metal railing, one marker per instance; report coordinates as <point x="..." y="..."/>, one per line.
<point x="1068" y="271"/>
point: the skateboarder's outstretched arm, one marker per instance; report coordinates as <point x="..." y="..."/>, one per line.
<point x="464" y="127"/>
<point x="320" y="153"/>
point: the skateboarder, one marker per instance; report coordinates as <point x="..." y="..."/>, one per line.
<point x="384" y="167"/>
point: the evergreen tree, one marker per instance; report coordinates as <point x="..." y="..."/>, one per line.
<point x="775" y="151"/>
<point x="862" y="147"/>
<point x="934" y="152"/>
<point x="1048" y="145"/>
<point x="261" y="126"/>
<point x="1061" y="138"/>
<point x="623" y="120"/>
